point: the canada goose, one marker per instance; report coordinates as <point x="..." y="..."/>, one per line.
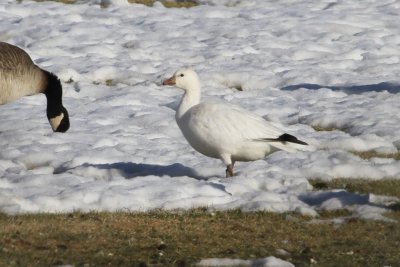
<point x="19" y="77"/>
<point x="225" y="131"/>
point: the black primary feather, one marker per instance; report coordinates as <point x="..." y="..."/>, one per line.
<point x="284" y="138"/>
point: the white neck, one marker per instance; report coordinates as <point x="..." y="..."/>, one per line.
<point x="189" y="99"/>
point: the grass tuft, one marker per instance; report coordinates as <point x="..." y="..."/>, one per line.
<point x="109" y="82"/>
<point x="374" y="154"/>
<point x="388" y="187"/>
<point x="319" y="128"/>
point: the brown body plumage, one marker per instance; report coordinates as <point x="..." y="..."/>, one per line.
<point x="19" y="77"/>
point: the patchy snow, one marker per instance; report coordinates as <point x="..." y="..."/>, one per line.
<point x="265" y="262"/>
<point x="298" y="63"/>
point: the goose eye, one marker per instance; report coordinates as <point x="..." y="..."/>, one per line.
<point x="182" y="75"/>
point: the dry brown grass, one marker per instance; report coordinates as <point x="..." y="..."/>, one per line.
<point x="182" y="239"/>
<point x="318" y="128"/>
<point x="373" y="154"/>
<point x="386" y="187"/>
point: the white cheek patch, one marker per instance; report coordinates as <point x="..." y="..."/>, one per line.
<point x="55" y="122"/>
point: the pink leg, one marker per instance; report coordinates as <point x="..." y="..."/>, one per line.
<point x="229" y="170"/>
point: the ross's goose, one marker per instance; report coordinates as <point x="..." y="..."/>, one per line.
<point x="225" y="131"/>
<point x="19" y="77"/>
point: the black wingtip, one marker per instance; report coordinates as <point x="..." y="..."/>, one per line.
<point x="290" y="138"/>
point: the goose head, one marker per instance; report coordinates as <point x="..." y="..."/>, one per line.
<point x="59" y="123"/>
<point x="185" y="79"/>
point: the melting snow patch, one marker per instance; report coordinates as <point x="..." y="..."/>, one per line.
<point x="264" y="262"/>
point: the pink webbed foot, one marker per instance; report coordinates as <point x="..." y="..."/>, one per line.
<point x="229" y="170"/>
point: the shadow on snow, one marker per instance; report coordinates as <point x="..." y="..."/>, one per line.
<point x="392" y="88"/>
<point x="131" y="170"/>
<point x="343" y="199"/>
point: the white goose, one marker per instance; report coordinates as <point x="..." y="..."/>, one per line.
<point x="225" y="131"/>
<point x="19" y="77"/>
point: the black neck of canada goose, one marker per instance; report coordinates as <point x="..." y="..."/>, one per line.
<point x="53" y="92"/>
<point x="56" y="113"/>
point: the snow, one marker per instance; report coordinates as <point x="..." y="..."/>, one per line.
<point x="265" y="262"/>
<point x="331" y="64"/>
